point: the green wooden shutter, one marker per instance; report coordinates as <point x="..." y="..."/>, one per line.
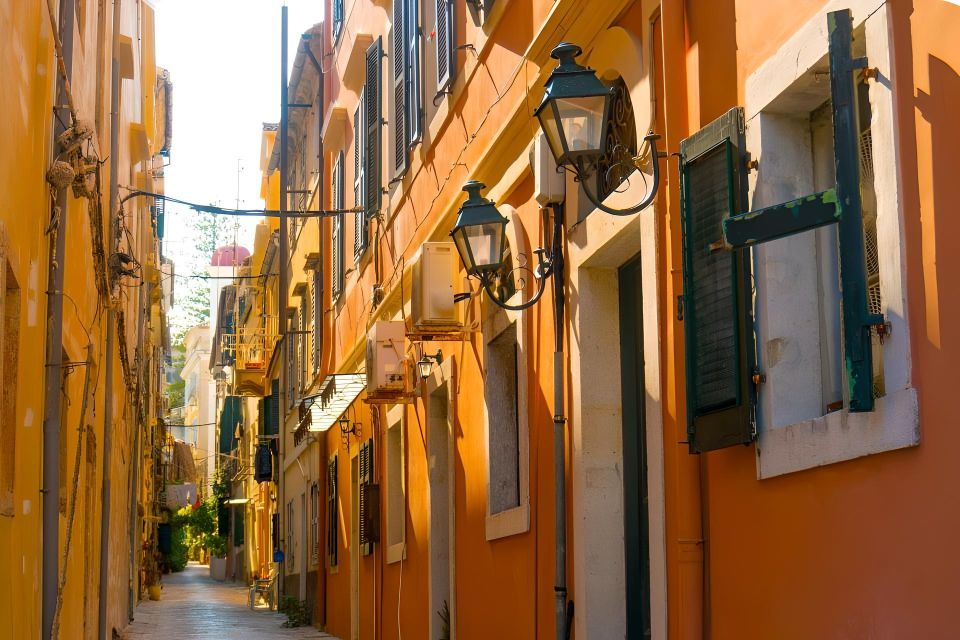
<point x="373" y="118"/>
<point x="332" y="521"/>
<point x="271" y="406"/>
<point x="400" y="89"/>
<point x="445" y="60"/>
<point x="716" y="304"/>
<point x="414" y="73"/>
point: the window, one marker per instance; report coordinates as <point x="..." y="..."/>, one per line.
<point x="332" y="514"/>
<point x="406" y="82"/>
<point x="500" y="389"/>
<point x="314" y="523"/>
<point x="337" y="12"/>
<point x="336" y="257"/>
<point x="302" y="339"/>
<point x="317" y="316"/>
<point x="359" y="179"/>
<point x="445" y="35"/>
<point x="290" y="557"/>
<point x="830" y="389"/>
<point x="373" y="122"/>
<point x="369" y="503"/>
<point x="396" y="489"/>
<point x="9" y="348"/>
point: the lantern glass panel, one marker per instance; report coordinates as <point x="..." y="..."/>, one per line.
<point x="486" y="245"/>
<point x="582" y="122"/>
<point x="551" y="129"/>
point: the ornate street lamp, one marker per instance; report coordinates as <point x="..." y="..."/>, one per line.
<point x="575" y="116"/>
<point x="575" y="108"/>
<point x="480" y="237"/>
<point x="479" y="232"/>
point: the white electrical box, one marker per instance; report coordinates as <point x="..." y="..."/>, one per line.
<point x="548" y="182"/>
<point x="386" y="363"/>
<point x="434" y="274"/>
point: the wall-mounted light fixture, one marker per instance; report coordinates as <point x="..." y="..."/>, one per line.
<point x="575" y="114"/>
<point x="348" y="428"/>
<point x="426" y="362"/>
<point x="480" y="237"/>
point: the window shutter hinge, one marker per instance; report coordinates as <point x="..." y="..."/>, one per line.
<point x="749" y="162"/>
<point x="758" y="378"/>
<point x="680" y="308"/>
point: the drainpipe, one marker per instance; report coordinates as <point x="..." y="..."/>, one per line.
<point x="54" y="353"/>
<point x="563" y="614"/>
<point x="111" y="326"/>
<point x="318" y="311"/>
<point x="282" y="297"/>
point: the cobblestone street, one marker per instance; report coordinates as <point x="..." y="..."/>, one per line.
<point x="194" y="606"/>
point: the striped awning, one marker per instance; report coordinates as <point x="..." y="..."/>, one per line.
<point x="337" y="393"/>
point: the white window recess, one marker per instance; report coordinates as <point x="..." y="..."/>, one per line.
<point x="802" y="417"/>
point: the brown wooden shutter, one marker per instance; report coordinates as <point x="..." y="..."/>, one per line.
<point x="372" y="130"/>
<point x="399" y="61"/>
<point x="445" y="60"/>
<point x="369" y="500"/>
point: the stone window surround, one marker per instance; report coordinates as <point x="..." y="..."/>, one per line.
<point x="894" y="424"/>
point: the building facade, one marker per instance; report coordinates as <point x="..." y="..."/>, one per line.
<point x="84" y="336"/>
<point x="753" y="368"/>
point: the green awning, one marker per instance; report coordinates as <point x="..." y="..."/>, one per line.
<point x="230" y="418"/>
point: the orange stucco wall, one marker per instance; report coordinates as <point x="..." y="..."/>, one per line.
<point x="847" y="550"/>
<point x="853" y="549"/>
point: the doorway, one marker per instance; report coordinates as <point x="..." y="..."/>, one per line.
<point x="636" y="518"/>
<point x="355" y="548"/>
<point x="440" y="458"/>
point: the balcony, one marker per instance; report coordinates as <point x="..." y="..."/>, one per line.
<point x="250" y="349"/>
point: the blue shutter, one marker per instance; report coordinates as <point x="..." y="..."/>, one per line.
<point x="337" y="18"/>
<point x="716" y="304"/>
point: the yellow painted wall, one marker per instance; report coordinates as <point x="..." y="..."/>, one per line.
<point x="25" y="104"/>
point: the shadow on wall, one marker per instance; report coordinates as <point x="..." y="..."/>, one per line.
<point x="939" y="223"/>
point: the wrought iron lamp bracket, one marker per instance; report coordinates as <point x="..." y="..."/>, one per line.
<point x="581" y="174"/>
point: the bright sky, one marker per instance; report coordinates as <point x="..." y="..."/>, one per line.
<point x="224" y="62"/>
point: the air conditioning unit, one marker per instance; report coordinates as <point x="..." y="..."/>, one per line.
<point x="435" y="271"/>
<point x="386" y="362"/>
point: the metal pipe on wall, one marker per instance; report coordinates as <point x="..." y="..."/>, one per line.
<point x="283" y="283"/>
<point x="105" y="491"/>
<point x="563" y="614"/>
<point x="54" y="349"/>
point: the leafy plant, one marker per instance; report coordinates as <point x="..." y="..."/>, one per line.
<point x="299" y="613"/>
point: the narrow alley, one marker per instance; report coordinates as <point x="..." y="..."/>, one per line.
<point x="195" y="606"/>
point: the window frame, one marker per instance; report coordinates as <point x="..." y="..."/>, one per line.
<point x="515" y="520"/>
<point x="894" y="423"/>
<point x="395" y="465"/>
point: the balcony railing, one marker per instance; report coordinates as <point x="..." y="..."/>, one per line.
<point x="252" y="348"/>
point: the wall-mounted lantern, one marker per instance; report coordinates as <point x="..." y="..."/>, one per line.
<point x="575" y="116"/>
<point x="426" y="362"/>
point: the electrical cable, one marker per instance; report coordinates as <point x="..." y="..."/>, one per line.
<point x="226" y="211"/>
